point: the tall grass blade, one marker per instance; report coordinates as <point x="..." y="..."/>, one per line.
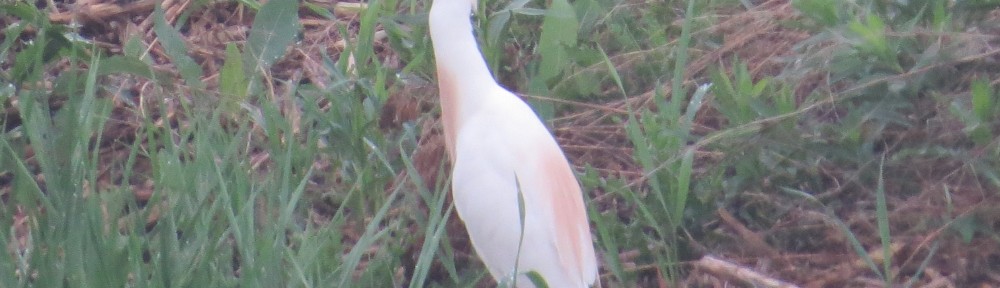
<point x="681" y="57"/>
<point x="373" y="233"/>
<point x="436" y="223"/>
<point x="882" y="216"/>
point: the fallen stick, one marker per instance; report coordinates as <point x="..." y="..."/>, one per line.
<point x="736" y="272"/>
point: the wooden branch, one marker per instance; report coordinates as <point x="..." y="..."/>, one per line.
<point x="102" y="11"/>
<point x="725" y="269"/>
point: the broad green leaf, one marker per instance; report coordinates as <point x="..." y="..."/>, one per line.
<point x="129" y="65"/>
<point x="21" y="10"/>
<point x="173" y="45"/>
<point x="134" y="47"/>
<point x="558" y="32"/>
<point x="966" y="226"/>
<point x="825" y="12"/>
<point x="982" y="100"/>
<point x="274" y="29"/>
<point x="27" y="62"/>
<point x="319" y="10"/>
<point x="253" y="4"/>
<point x="232" y="80"/>
<point x="498" y="21"/>
<point x="537" y="279"/>
<point x="12" y="33"/>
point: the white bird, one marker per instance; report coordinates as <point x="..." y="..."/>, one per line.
<point x="499" y="148"/>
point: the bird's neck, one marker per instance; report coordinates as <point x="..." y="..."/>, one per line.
<point x="463" y="76"/>
<point x="455" y="44"/>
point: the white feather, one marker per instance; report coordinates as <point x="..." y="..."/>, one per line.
<point x="495" y="141"/>
<point x="502" y="140"/>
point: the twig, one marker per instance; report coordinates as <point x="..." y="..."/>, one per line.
<point x="102" y="11"/>
<point x="729" y="270"/>
<point x="757" y="245"/>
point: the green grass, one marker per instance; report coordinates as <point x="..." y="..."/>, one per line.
<point x="881" y="117"/>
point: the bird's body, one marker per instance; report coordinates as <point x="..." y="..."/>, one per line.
<point x="500" y="149"/>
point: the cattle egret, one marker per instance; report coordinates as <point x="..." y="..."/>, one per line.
<point x="502" y="155"/>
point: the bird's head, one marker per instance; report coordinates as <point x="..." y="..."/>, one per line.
<point x="475" y="6"/>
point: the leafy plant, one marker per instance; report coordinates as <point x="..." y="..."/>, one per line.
<point x="981" y="120"/>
